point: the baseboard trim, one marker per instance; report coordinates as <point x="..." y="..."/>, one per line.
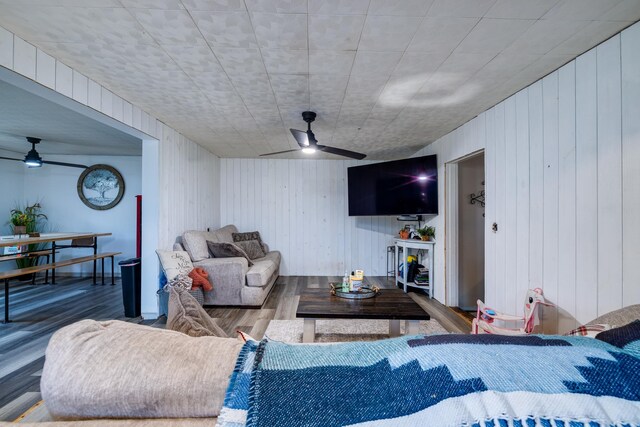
<point x="150" y="315"/>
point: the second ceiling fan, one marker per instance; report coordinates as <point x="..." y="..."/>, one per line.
<point x="33" y="159"/>
<point x="309" y="144"/>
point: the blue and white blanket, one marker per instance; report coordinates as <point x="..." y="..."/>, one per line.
<point x="438" y="380"/>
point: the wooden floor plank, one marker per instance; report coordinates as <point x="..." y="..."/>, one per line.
<point x="13" y="409"/>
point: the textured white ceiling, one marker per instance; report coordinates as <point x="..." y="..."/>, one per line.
<point x="385" y="77"/>
<point x="62" y="131"/>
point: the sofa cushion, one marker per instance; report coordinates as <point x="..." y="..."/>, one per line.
<point x="622" y="335"/>
<point x="253" y="248"/>
<point x="195" y="243"/>
<point x="174" y="263"/>
<point x="186" y="315"/>
<point x="224" y="234"/>
<point x="248" y="235"/>
<point x="117" y="369"/>
<point x="619" y="317"/>
<point x="251" y="235"/>
<point x="227" y="250"/>
<point x="263" y="269"/>
<point x="273" y="256"/>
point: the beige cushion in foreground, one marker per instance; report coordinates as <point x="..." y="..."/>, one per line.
<point x="121" y="370"/>
<point x="163" y="422"/>
<point x="619" y="317"/>
<point x="186" y="315"/>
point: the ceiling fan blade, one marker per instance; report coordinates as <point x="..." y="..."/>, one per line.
<point x="301" y="137"/>
<point x="278" y="152"/>
<point x="341" y="152"/>
<point x="10" y="158"/>
<point x="71" y="165"/>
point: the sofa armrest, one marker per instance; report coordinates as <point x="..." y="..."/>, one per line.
<point x="228" y="277"/>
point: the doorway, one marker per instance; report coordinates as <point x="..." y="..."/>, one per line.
<point x="465" y="231"/>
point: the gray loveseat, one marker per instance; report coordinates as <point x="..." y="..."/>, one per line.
<point x="234" y="282"/>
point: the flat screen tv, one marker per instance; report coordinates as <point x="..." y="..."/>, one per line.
<point x="400" y="187"/>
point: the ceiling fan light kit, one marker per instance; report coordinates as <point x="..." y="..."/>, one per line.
<point x="309" y="144"/>
<point x="33" y="159"/>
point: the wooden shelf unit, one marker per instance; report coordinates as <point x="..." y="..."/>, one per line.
<point x="406" y="246"/>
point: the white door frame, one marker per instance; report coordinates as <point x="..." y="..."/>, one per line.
<point x="150" y="227"/>
<point x="451" y="233"/>
<point x="451" y="254"/>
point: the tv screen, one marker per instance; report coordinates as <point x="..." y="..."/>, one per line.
<point x="401" y="187"/>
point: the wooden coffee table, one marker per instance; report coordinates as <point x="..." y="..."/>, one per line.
<point x="392" y="304"/>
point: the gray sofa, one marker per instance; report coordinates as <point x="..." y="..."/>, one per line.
<point x="234" y="282"/>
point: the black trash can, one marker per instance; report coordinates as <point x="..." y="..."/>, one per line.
<point x="130" y="269"/>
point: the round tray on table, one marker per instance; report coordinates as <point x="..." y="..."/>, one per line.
<point x="364" y="292"/>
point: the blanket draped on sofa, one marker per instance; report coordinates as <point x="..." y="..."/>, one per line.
<point x="438" y="380"/>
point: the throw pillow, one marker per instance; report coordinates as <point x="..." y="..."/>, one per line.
<point x="623" y="336"/>
<point x="227" y="250"/>
<point x="200" y="279"/>
<point x="252" y="248"/>
<point x="195" y="243"/>
<point x="174" y="263"/>
<point x="186" y="315"/>
<point x="250" y="235"/>
<point x="588" y="330"/>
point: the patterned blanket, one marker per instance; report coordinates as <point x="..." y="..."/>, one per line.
<point x="438" y="380"/>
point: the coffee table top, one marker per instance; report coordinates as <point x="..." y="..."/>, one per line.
<point x="389" y="304"/>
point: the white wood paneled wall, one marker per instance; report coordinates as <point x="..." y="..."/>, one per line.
<point x="562" y="173"/>
<point x="300" y="208"/>
<point x="189" y="187"/>
<point x="465" y="140"/>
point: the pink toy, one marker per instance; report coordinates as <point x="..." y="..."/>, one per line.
<point x="485" y="316"/>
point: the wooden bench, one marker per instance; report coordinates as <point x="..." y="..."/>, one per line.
<point x="34" y="254"/>
<point x="12" y="274"/>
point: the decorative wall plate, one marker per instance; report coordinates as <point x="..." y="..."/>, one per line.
<point x="100" y="187"/>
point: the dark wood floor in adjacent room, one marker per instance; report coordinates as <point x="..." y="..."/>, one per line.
<point x="38" y="311"/>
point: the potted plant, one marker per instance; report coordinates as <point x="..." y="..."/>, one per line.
<point x="19" y="221"/>
<point x="404" y="233"/>
<point x="427" y="233"/>
<point x="27" y="219"/>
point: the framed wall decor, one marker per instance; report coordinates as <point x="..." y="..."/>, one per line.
<point x="100" y="187"/>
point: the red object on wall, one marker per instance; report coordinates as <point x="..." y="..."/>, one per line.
<point x="138" y="226"/>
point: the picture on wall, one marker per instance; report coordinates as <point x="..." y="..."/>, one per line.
<point x="100" y="187"/>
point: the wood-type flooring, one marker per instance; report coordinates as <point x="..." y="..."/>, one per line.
<point x="38" y="311"/>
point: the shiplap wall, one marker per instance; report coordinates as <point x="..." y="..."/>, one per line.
<point x="562" y="166"/>
<point x="189" y="187"/>
<point x="300" y="208"/>
<point x="467" y="139"/>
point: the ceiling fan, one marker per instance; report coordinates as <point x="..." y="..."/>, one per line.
<point x="33" y="159"/>
<point x="309" y="144"/>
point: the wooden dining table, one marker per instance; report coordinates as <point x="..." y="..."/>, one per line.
<point x="23" y="240"/>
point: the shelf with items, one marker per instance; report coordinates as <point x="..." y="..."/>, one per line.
<point x="423" y="250"/>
